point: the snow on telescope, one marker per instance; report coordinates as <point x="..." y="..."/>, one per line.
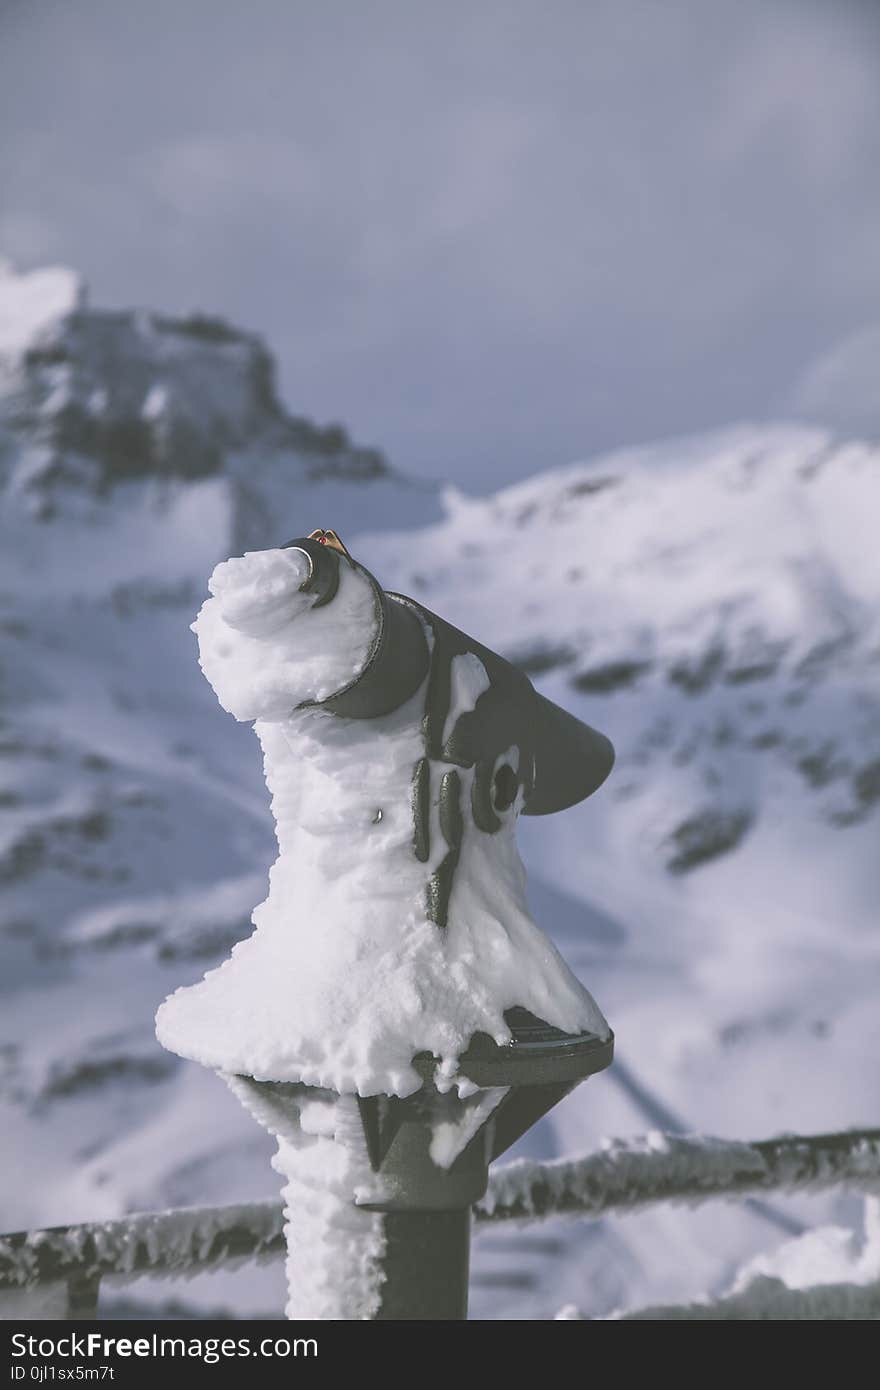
<point x="399" y="753"/>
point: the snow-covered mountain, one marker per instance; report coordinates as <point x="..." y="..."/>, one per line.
<point x="710" y="603"/>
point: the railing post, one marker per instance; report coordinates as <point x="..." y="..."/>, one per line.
<point x="379" y="1190"/>
<point x="82" y="1297"/>
<point x="425" y="1267"/>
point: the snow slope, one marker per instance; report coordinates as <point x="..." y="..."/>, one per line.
<point x="709" y="603"/>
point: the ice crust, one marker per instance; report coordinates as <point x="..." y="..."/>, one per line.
<point x="345" y="978"/>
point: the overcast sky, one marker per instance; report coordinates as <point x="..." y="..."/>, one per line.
<point x="489" y="237"/>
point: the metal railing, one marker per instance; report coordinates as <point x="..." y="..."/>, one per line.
<point x="623" y="1176"/>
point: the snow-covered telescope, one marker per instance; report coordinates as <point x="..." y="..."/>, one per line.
<point x="397" y="1019"/>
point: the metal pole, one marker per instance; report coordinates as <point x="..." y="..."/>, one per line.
<point x="82" y="1297"/>
<point x="426" y="1158"/>
<point x="426" y="1266"/>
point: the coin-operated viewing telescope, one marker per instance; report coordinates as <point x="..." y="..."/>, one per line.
<point x="397" y="1020"/>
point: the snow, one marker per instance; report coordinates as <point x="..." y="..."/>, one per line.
<point x="830" y="1273"/>
<point x="32" y="302"/>
<point x="266" y="650"/>
<point x="766" y="1300"/>
<point x="569" y="1313"/>
<point x="451" y="1136"/>
<point x="335" y="1247"/>
<point x="468" y="680"/>
<point x="155" y="402"/>
<point x="345" y="978"/>
<point x="829" y="1254"/>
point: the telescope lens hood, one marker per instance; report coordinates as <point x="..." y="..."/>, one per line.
<point x="572" y="759"/>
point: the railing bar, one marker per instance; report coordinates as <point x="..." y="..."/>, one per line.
<point x="625" y="1176"/>
<point x="675" y="1168"/>
<point x="155" y="1242"/>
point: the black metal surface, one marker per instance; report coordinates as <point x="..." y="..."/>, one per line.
<point x="400" y="1136"/>
<point x="323" y="580"/>
<point x="82" y="1297"/>
<point x="562" y="760"/>
<point x="395" y="668"/>
<point x="537" y="1055"/>
<point x="439" y="888"/>
<point x="521" y="1108"/>
<point x="426" y="1266"/>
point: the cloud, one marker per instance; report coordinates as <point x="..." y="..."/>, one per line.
<point x="808" y="89"/>
<point x="209" y="174"/>
<point x="27" y="238"/>
<point x="489" y="236"/>
<point x="841" y="388"/>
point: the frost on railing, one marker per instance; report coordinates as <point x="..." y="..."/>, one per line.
<point x="625" y="1175"/>
<point x="670" y="1168"/>
<point x="156" y="1243"/>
